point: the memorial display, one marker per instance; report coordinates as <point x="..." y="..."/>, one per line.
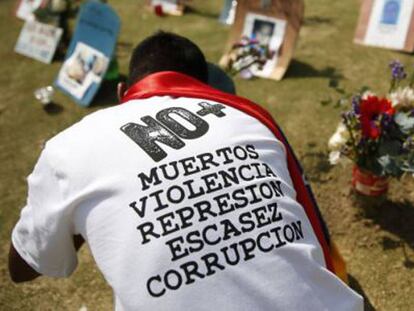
<point x="376" y="133"/>
<point x="271" y="29"/>
<point x="89" y="53"/>
<point x="82" y="69"/>
<point x="38" y="41"/>
<point x="386" y="24"/>
<point x="366" y="196"/>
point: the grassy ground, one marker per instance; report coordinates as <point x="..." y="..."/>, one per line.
<point x="376" y="239"/>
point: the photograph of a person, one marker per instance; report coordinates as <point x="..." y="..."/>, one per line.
<point x="387" y="24"/>
<point x="85" y="66"/>
<point x="391" y="12"/>
<point x="263" y="31"/>
<point x="270" y="33"/>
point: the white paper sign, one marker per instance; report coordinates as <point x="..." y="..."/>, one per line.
<point x="268" y="31"/>
<point x="389" y="23"/>
<point x="38" y="41"/>
<point x="167" y="5"/>
<point x="26" y="8"/>
<point x="84" y="67"/>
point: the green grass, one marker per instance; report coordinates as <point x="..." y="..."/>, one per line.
<point x="377" y="241"/>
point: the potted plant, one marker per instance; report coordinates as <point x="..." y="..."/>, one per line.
<point x="377" y="133"/>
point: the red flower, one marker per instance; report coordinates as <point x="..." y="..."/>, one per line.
<point x="371" y="109"/>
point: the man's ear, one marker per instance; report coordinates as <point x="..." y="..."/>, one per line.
<point x="121" y="89"/>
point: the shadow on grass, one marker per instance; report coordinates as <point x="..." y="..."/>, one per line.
<point x="317" y="20"/>
<point x="192" y="10"/>
<point x="53" y="109"/>
<point x="107" y="95"/>
<point x="316" y="165"/>
<point x="354" y="284"/>
<point x="298" y="69"/>
<point x="389" y="244"/>
<point x="394" y="217"/>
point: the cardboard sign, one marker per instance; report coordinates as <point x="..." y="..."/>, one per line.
<point x="171" y="7"/>
<point x="89" y="53"/>
<point x="273" y="23"/>
<point x="26" y="8"/>
<point x="38" y="41"/>
<point x="387" y="24"/>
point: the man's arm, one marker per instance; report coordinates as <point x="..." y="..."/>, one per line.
<point x="20" y="271"/>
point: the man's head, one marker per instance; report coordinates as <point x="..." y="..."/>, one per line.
<point x="165" y="51"/>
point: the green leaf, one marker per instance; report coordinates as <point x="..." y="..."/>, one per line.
<point x="340" y="90"/>
<point x="390" y="166"/>
<point x="389" y="147"/>
<point x="363" y="89"/>
<point x="333" y="83"/>
<point x="370" y="164"/>
<point x="408" y="167"/>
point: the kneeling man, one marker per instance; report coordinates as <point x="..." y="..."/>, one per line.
<point x="189" y="198"/>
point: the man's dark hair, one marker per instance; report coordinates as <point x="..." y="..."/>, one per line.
<point x="165" y="51"/>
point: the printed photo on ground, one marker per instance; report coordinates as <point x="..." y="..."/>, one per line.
<point x="84" y="67"/>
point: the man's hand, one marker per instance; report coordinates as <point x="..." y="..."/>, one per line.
<point x="20" y="271"/>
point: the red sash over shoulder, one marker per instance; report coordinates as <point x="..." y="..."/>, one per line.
<point x="179" y="85"/>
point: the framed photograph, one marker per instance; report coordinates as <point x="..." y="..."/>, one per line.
<point x="387" y="24"/>
<point x="91" y="47"/>
<point x="171" y="7"/>
<point x="85" y="67"/>
<point x="269" y="32"/>
<point x="274" y="26"/>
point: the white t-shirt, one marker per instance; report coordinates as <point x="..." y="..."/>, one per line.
<point x="186" y="204"/>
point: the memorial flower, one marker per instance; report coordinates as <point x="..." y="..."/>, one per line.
<point x="339" y="138"/>
<point x="402" y="98"/>
<point x="366" y="94"/>
<point x="377" y="132"/>
<point x="334" y="157"/>
<point x="372" y="111"/>
<point x="247" y="56"/>
<point x="397" y="71"/>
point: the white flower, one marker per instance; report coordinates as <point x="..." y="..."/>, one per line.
<point x="402" y="97"/>
<point x="339" y="138"/>
<point x="334" y="157"/>
<point x="366" y="94"/>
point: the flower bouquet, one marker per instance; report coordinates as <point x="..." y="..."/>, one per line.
<point x="377" y="134"/>
<point x="247" y="56"/>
